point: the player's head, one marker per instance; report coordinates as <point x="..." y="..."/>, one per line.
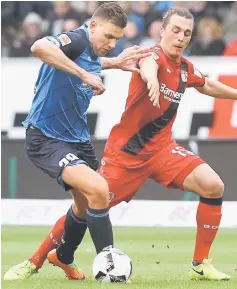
<point x="176" y="31"/>
<point x="106" y="27"/>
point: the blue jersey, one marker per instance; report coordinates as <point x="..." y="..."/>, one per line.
<point x="61" y="99"/>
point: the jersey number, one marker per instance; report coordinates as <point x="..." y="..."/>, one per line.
<point x="181" y="151"/>
<point x="69" y="158"/>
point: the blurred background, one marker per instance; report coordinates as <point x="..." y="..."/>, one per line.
<point x="204" y="125"/>
<point x="24" y="22"/>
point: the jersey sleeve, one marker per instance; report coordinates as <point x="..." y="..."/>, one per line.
<point x="72" y="43"/>
<point x="195" y="77"/>
<point x="157" y="54"/>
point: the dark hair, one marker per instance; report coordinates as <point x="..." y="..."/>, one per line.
<point x="112" y="12"/>
<point x="183" y="12"/>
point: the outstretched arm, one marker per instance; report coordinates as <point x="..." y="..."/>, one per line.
<point x="126" y="60"/>
<point x="217" y="89"/>
<point x="148" y="71"/>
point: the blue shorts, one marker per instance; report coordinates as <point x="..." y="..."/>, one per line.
<point x="52" y="155"/>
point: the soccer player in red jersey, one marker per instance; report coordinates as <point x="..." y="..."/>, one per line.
<point x="141" y="145"/>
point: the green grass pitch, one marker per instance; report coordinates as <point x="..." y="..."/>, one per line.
<point x="160" y="256"/>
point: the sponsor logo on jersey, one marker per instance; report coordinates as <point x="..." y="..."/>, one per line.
<point x="170" y="95"/>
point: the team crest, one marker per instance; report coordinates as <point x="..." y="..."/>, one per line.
<point x="184" y="75"/>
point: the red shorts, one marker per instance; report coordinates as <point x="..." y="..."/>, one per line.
<point x="126" y="173"/>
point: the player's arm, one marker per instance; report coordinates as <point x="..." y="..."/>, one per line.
<point x="126" y="60"/>
<point x="59" y="52"/>
<point x="148" y="71"/>
<point x="217" y="89"/>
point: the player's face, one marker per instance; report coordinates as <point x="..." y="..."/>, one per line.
<point x="104" y="36"/>
<point x="176" y="35"/>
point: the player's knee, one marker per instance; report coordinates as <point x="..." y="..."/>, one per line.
<point x="99" y="195"/>
<point x="214" y="188"/>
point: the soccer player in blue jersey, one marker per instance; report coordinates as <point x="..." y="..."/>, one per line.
<point x="57" y="135"/>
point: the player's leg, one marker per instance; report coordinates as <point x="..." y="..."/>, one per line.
<point x="31" y="266"/>
<point x="95" y="189"/>
<point x="53" y="238"/>
<point x="184" y="170"/>
<point x="51" y="241"/>
<point x="91" y="200"/>
<point x="71" y="239"/>
<point x="205" y="182"/>
<point x="208" y="185"/>
<point x="115" y="177"/>
<point x="63" y="256"/>
<point x="52" y="157"/>
<point x="132" y="180"/>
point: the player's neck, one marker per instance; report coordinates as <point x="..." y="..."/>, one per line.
<point x="177" y="60"/>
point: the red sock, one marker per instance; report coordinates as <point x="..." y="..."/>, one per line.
<point x="50" y="242"/>
<point x="208" y="219"/>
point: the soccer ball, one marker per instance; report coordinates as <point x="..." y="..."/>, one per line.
<point x="112" y="265"/>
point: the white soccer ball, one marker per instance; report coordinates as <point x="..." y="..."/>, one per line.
<point x="112" y="265"/>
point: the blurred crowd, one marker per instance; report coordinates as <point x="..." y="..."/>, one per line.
<point x="24" y="22"/>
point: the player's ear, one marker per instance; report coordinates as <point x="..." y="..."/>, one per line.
<point x="93" y="25"/>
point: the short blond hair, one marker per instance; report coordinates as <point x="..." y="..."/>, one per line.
<point x="183" y="12"/>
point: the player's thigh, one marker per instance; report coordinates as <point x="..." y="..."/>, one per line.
<point x="68" y="163"/>
<point x="86" y="181"/>
<point x="205" y="182"/>
<point x="123" y="182"/>
<point x="173" y="165"/>
<point x="49" y="155"/>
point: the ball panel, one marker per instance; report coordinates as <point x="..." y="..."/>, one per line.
<point x="109" y="262"/>
<point x="118" y="279"/>
<point x="112" y="266"/>
<point x="100" y="276"/>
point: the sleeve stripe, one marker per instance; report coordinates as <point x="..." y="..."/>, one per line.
<point x="55" y="40"/>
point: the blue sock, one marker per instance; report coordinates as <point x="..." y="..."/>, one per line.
<point x="75" y="229"/>
<point x="100" y="228"/>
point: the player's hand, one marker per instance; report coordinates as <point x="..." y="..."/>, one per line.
<point x="95" y="82"/>
<point x="128" y="58"/>
<point x="154" y="92"/>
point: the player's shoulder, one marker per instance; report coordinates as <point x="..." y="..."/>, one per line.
<point x="157" y="53"/>
<point x="77" y="38"/>
<point x="189" y="64"/>
<point x="156" y="49"/>
<point x="78" y="33"/>
<point x="195" y="76"/>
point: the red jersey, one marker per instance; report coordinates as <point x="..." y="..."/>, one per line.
<point x="143" y="128"/>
